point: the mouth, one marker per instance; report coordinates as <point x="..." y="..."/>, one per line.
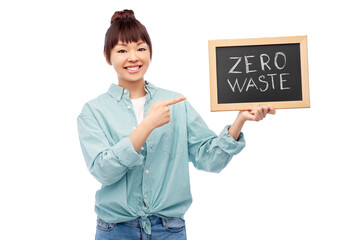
<point x="133" y="69"/>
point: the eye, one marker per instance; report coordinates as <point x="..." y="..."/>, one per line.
<point x="122" y="51"/>
<point x="142" y="49"/>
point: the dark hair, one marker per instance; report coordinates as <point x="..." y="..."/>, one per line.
<point x="125" y="28"/>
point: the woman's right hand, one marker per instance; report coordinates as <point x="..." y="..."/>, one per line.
<point x="159" y="113"/>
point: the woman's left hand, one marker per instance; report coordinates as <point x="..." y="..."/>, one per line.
<point x="254" y="113"/>
<point x="257" y="112"/>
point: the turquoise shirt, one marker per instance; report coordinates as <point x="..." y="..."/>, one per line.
<point x="154" y="180"/>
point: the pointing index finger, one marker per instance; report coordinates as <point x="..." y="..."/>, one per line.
<point x="174" y="100"/>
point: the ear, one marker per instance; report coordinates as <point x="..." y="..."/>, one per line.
<point x="107" y="60"/>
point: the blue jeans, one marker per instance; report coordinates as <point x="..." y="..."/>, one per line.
<point x="161" y="229"/>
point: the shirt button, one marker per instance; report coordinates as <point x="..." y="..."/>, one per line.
<point x="125" y="91"/>
<point x="147" y="171"/>
<point x="142" y="148"/>
<point x="128" y="107"/>
<point x="118" y="98"/>
<point x="145" y="196"/>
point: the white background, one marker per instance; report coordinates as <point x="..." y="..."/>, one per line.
<point x="298" y="177"/>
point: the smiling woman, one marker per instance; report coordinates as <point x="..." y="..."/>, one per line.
<point x="137" y="140"/>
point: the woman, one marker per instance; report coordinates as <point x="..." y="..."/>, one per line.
<point x="137" y="140"/>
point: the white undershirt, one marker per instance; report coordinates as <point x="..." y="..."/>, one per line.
<point x="138" y="105"/>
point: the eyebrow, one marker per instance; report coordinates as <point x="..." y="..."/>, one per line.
<point x="121" y="44"/>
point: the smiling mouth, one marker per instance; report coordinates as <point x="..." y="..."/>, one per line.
<point x="133" y="68"/>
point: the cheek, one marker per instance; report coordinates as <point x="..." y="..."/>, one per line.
<point x="146" y="66"/>
<point x="117" y="59"/>
<point x="147" y="61"/>
<point x="118" y="68"/>
<point x="117" y="65"/>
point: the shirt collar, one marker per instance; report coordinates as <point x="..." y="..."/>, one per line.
<point x="117" y="91"/>
<point x="150" y="89"/>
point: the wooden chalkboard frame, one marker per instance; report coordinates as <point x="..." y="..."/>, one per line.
<point x="302" y="40"/>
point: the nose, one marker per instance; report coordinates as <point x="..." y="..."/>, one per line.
<point x="133" y="56"/>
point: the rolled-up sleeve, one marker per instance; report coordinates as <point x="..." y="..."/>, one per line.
<point x="208" y="151"/>
<point x="108" y="164"/>
<point x="227" y="142"/>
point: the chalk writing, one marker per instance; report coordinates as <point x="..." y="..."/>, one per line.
<point x="263" y="81"/>
<point x="249" y="82"/>
<point x="237" y="63"/>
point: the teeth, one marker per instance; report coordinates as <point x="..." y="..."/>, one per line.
<point x="133" y="68"/>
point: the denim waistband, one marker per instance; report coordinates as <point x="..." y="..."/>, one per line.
<point x="136" y="222"/>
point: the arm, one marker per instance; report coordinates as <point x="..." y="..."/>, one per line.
<point x="212" y="153"/>
<point x="255" y="113"/>
<point x="107" y="163"/>
<point x="208" y="151"/>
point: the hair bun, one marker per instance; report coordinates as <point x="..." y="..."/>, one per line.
<point x="122" y="15"/>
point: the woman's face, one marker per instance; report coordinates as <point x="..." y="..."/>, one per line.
<point x="130" y="60"/>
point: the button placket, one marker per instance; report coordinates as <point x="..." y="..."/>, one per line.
<point x="126" y="102"/>
<point x="146" y="184"/>
<point x="146" y="174"/>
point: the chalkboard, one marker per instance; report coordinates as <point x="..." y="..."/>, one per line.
<point x="271" y="71"/>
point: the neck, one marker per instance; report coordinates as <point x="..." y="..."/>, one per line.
<point x="136" y="89"/>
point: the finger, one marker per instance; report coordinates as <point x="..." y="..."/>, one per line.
<point x="256" y="114"/>
<point x="260" y="112"/>
<point x="265" y="110"/>
<point x="271" y="109"/>
<point x="174" y="101"/>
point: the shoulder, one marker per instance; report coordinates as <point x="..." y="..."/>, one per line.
<point x="95" y="103"/>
